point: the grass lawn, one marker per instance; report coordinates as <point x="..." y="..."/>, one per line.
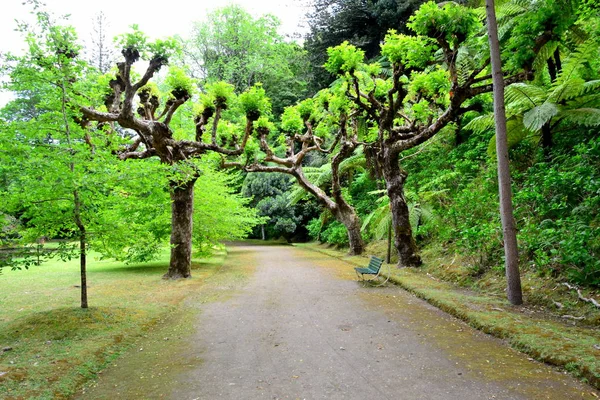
<point x="49" y="346"/>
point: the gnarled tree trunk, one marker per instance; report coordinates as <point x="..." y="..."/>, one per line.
<point x="348" y="217"/>
<point x="182" y="207"/>
<point x="404" y="241"/>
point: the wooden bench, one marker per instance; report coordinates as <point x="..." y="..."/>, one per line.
<point x="374" y="268"/>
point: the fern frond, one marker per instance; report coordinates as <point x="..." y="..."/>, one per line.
<point x="566" y="90"/>
<point x="356" y="161"/>
<point x="589" y="101"/>
<point x="296" y="195"/>
<point x="465" y="64"/>
<point x="481" y="124"/>
<point x="515" y="133"/>
<point x="589" y="117"/>
<point x="591" y="86"/>
<point x="535" y="118"/>
<point x="524" y="95"/>
<point x="541" y="59"/>
<point x="575" y="60"/>
<point x="431" y="189"/>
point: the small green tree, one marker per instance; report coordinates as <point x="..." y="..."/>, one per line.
<point x="58" y="179"/>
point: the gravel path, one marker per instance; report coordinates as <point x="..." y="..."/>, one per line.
<point x="302" y="328"/>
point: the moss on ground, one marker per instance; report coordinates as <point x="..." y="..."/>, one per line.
<point x="532" y="329"/>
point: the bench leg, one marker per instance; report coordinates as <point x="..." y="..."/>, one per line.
<point x="387" y="278"/>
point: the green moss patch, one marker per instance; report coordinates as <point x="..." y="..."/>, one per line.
<point x="529" y="329"/>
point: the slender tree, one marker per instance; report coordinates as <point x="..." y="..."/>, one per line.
<point x="509" y="229"/>
<point x="102" y="54"/>
<point x="57" y="177"/>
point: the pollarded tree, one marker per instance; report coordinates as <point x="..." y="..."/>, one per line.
<point x="134" y="104"/>
<point x="434" y="76"/>
<point x="362" y="23"/>
<point x="307" y="127"/>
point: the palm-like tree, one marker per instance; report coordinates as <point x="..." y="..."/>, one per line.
<point x="535" y="110"/>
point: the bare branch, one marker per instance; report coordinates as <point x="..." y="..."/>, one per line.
<point x="138" y="155"/>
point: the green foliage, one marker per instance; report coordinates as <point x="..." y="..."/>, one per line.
<point x="233" y="46"/>
<point x="433" y="84"/>
<point x="220" y="213"/>
<point x="451" y="22"/>
<point x="180" y="83"/>
<point x="291" y="120"/>
<point x="164" y="48"/>
<point x="344" y="58"/>
<point x="335" y="233"/>
<point x="222" y="92"/>
<point x="410" y="51"/>
<point x="263" y="123"/>
<point x="546" y="16"/>
<point x="269" y="194"/>
<point x="134" y="40"/>
<point x="254" y="102"/>
<point x="135" y="45"/>
<point x="362" y="23"/>
<point x="563" y="235"/>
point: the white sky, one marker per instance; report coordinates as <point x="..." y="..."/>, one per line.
<point x="164" y="18"/>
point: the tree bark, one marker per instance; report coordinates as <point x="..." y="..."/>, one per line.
<point x="82" y="246"/>
<point x="341" y="210"/>
<point x="182" y="207"/>
<point x="404" y="241"/>
<point x="348" y="217"/>
<point x="509" y="229"/>
<point x="388" y="256"/>
<point x="83" y="269"/>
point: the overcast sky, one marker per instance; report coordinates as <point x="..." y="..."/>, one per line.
<point x="156" y="18"/>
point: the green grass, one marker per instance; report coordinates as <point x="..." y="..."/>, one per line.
<point x="529" y="329"/>
<point x="57" y="346"/>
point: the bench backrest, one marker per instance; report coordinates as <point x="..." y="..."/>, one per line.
<point x="375" y="263"/>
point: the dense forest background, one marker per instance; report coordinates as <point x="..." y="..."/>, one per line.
<point x="70" y="176"/>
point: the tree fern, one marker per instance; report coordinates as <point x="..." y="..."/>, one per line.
<point x="589" y="117"/>
<point x="541" y="59"/>
<point x="524" y="95"/>
<point x="481" y="124"/>
<point x="563" y="90"/>
<point x="535" y="118"/>
<point x="516" y="133"/>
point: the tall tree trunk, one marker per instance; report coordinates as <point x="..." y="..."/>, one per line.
<point x="511" y="259"/>
<point x="403" y="239"/>
<point x="182" y="207"/>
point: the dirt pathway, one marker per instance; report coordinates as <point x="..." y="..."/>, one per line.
<point x="303" y="329"/>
